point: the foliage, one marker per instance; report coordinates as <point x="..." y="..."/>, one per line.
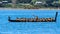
<point x="59" y="1"/>
<point x="15" y="4"/>
<point x="8" y="5"/>
<point x="24" y="1"/>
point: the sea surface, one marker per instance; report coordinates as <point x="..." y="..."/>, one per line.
<point x="7" y="27"/>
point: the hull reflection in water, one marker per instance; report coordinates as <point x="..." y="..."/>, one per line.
<point x="36" y="19"/>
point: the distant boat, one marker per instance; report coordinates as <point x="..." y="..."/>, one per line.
<point x="36" y="19"/>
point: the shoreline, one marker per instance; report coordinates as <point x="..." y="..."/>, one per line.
<point x="32" y="9"/>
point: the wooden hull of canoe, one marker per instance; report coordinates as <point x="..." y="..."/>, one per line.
<point x="35" y="20"/>
<point x="30" y="21"/>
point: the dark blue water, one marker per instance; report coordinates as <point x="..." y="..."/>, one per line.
<point x="7" y="27"/>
